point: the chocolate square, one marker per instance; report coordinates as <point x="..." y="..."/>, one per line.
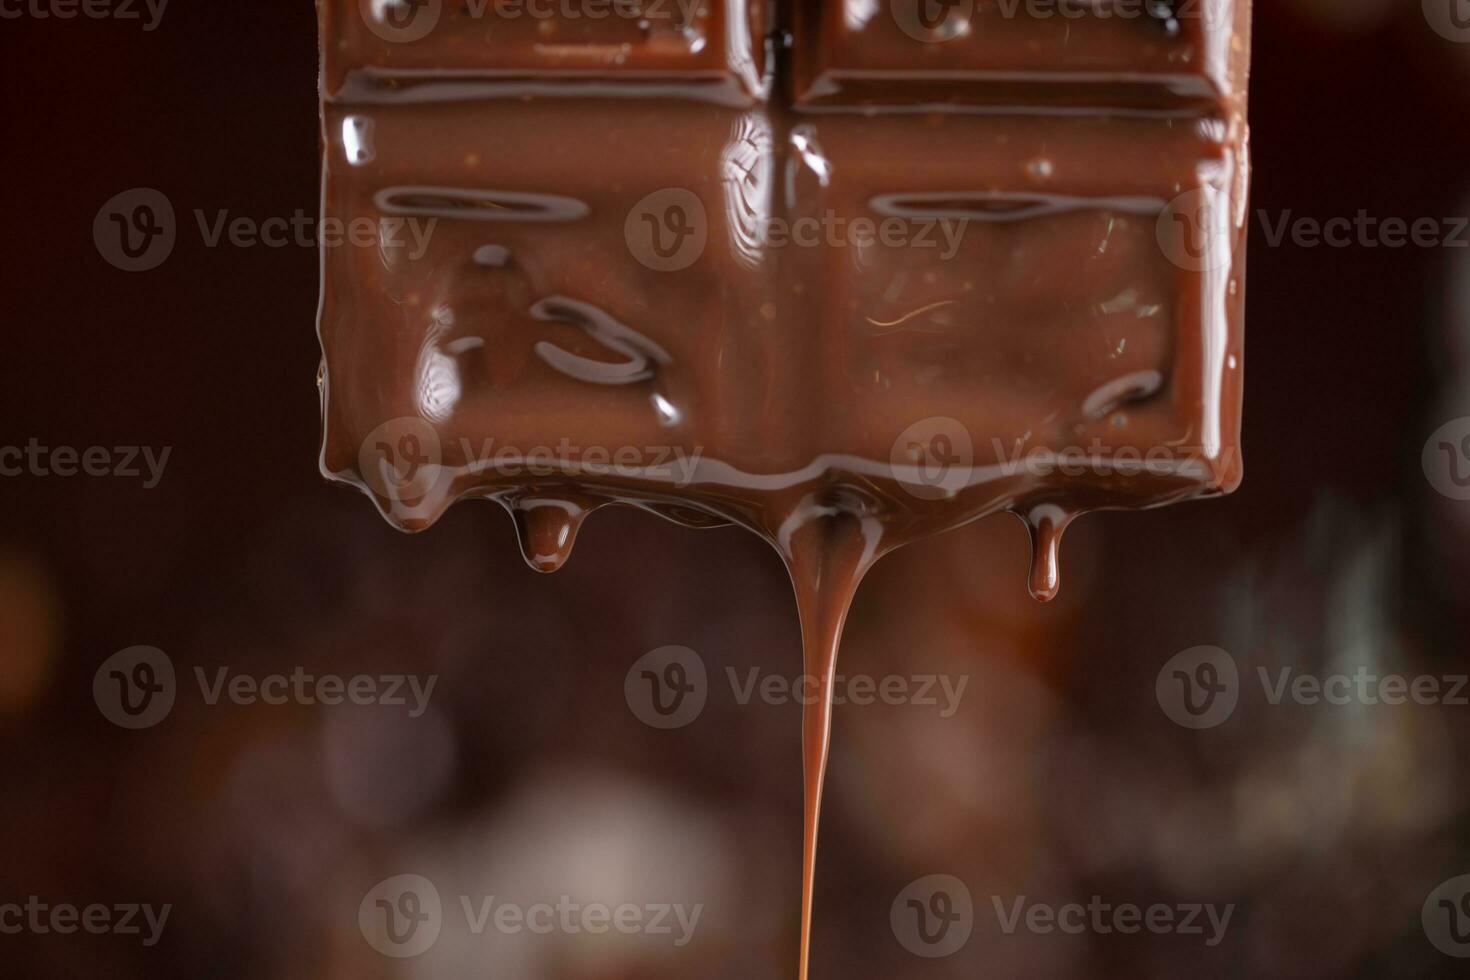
<point x="454" y="47"/>
<point x="1033" y="288"/>
<point x="1062" y="53"/>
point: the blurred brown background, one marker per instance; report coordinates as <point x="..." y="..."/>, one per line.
<point x="1059" y="777"/>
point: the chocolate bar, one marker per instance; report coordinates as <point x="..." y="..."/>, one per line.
<point x="1055" y="321"/>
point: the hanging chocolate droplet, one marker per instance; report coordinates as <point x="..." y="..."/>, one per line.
<point x="1046" y="524"/>
<point x="547" y="528"/>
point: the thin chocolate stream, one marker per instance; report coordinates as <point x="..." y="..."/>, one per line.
<point x="827" y="557"/>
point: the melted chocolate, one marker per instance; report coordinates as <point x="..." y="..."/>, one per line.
<point x="603" y="314"/>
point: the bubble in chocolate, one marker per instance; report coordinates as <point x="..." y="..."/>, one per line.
<point x="667" y="688"/>
<point x="401" y="917"/>
<point x="1199" y="688"/>
<point x="358" y="140"/>
<point x="401" y="459"/>
<point x="135" y="688"/>
<point x="934" y="458"/>
<point x="933" y="21"/>
<point x="136" y="230"/>
<point x="668" y="230"/>
<point x="492" y="256"/>
<point x="401" y="21"/>
<point x="1446" y="459"/>
<point x="1165" y="14"/>
<point x="933" y="917"/>
<point x="1194" y="231"/>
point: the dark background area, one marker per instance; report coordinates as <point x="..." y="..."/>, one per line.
<point x="1059" y="778"/>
